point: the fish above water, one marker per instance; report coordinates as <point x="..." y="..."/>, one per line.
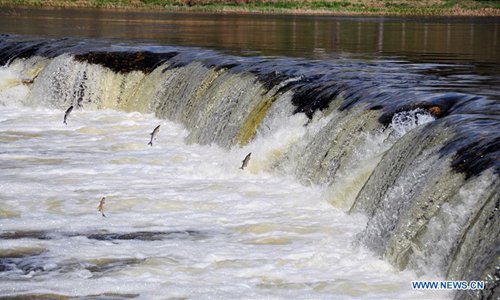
<point x="66" y="114"/>
<point x="27" y="81"/>
<point x="244" y="162"/>
<point x="100" y="208"/>
<point x="153" y="134"/>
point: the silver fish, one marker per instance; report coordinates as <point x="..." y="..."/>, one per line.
<point x="244" y="162"/>
<point x="66" y="114"/>
<point x="153" y="134"/>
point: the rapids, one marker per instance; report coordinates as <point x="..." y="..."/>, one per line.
<point x="364" y="176"/>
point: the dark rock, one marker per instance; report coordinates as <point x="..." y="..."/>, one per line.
<point x="125" y="62"/>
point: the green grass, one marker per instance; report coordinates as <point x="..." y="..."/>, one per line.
<point x="362" y="7"/>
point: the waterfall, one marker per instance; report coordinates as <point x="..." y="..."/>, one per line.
<point x="423" y="165"/>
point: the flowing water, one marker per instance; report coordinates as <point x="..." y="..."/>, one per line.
<point x="365" y="174"/>
<point x="181" y="221"/>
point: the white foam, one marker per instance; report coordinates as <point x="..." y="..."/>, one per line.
<point x="12" y="90"/>
<point x="407" y="120"/>
<point x="260" y="235"/>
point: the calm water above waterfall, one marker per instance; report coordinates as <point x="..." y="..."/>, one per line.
<point x="375" y="155"/>
<point x="426" y="39"/>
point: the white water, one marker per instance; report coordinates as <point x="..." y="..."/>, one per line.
<point x="260" y="235"/>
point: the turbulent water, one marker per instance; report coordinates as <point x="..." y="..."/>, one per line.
<point x="363" y="176"/>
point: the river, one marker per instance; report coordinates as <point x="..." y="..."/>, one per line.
<point x="374" y="158"/>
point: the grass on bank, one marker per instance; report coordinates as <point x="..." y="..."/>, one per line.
<point x="362" y="7"/>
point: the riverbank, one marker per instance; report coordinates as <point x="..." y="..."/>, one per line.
<point x="320" y="7"/>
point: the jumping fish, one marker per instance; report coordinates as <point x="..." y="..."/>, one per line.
<point x="244" y="162"/>
<point x="66" y="114"/>
<point x="153" y="134"/>
<point x="100" y="208"/>
<point x="27" y="81"/>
